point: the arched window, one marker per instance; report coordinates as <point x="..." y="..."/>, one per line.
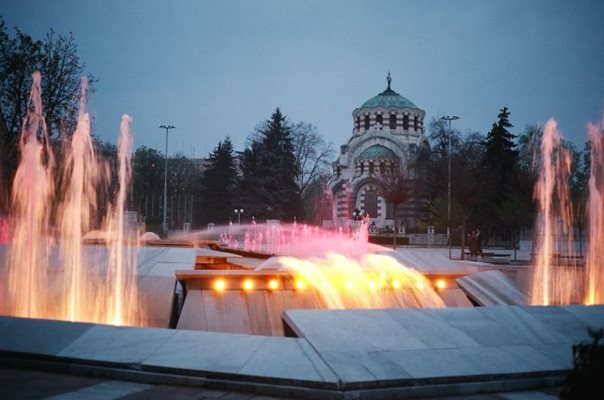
<point x="371" y="203"/>
<point x="405" y="122"/>
<point x="371" y="167"/>
<point x="382" y="167"/>
<point x="379" y="119"/>
<point x="415" y="123"/>
<point x="362" y="167"/>
<point x="358" y="123"/>
<point x="366" y="122"/>
<point x="393" y="121"/>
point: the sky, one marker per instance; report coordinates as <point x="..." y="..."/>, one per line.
<point x="218" y="68"/>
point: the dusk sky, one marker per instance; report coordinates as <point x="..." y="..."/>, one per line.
<point x="219" y="68"/>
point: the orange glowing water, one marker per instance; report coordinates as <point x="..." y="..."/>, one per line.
<point x="595" y="209"/>
<point x="374" y="281"/>
<point x="559" y="276"/>
<point x="50" y="274"/>
<point x="30" y="206"/>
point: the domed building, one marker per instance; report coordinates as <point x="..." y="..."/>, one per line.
<point x="388" y="130"/>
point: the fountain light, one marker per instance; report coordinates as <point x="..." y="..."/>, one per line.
<point x="273" y="284"/>
<point x="300" y="285"/>
<point x="248" y="285"/>
<point x="219" y="285"/>
<point x="441" y="284"/>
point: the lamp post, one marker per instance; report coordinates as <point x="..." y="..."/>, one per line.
<point x="165" y="222"/>
<point x="449" y="118"/>
<point x="238" y="211"/>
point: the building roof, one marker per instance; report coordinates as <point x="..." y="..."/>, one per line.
<point x="377" y="152"/>
<point x="389" y="99"/>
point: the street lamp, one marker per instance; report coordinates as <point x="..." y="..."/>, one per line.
<point x="449" y="118"/>
<point x="238" y="211"/>
<point x="165" y="223"/>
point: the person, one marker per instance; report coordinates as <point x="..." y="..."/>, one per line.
<point x="471" y="243"/>
<point x="478" y="242"/>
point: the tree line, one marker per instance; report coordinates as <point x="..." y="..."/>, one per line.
<point x="274" y="177"/>
<point x="283" y="169"/>
<point x="492" y="179"/>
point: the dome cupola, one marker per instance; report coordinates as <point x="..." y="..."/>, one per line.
<point x="389" y="111"/>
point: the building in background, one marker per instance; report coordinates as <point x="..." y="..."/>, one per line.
<point x="388" y="131"/>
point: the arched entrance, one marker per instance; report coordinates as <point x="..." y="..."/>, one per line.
<point x="371" y="203"/>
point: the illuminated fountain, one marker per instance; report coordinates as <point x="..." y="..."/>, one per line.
<point x="559" y="276"/>
<point x="310" y="267"/>
<point x="50" y="274"/>
<point x="374" y="281"/>
<point x="595" y="208"/>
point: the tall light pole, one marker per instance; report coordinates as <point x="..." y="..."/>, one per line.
<point x="165" y="223"/>
<point x="449" y="118"/>
<point x="238" y="211"/>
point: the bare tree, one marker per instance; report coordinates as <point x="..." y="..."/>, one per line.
<point x="313" y="154"/>
<point x="397" y="185"/>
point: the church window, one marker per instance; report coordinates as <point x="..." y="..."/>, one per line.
<point x="415" y="123"/>
<point x="382" y="167"/>
<point x="371" y="203"/>
<point x="362" y="167"/>
<point x="379" y="119"/>
<point x="371" y="167"/>
<point x="405" y="122"/>
<point x="358" y="122"/>
<point x="392" y="121"/>
<point x="366" y="122"/>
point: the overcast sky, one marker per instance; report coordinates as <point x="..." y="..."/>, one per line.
<point x="219" y="68"/>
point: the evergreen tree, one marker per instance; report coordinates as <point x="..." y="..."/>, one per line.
<point x="500" y="171"/>
<point x="269" y="188"/>
<point x="218" y="185"/>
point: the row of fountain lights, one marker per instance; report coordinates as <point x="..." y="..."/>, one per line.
<point x="248" y="284"/>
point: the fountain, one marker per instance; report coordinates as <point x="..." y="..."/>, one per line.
<point x="595" y="256"/>
<point x="50" y="273"/>
<point x="559" y="276"/>
<point x="347" y="303"/>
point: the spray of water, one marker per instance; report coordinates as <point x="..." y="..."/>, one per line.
<point x="559" y="276"/>
<point x="50" y="273"/>
<point x="122" y="257"/>
<point x="31" y="199"/>
<point x="374" y="281"/>
<point x="595" y="256"/>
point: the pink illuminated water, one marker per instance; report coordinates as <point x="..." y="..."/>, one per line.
<point x="31" y="197"/>
<point x="595" y="208"/>
<point x="340" y="267"/>
<point x="50" y="273"/>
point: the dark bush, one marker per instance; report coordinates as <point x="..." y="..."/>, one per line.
<point x="585" y="380"/>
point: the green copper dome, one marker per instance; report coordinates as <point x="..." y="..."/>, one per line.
<point x="389" y="99"/>
<point x="377" y="152"/>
